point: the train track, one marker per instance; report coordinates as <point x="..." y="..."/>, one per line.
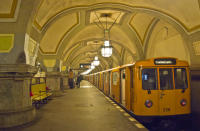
<point x="170" y="125"/>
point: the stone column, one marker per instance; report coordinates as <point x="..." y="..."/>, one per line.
<point x="15" y="101"/>
<point x="53" y="80"/>
<point x="65" y="81"/>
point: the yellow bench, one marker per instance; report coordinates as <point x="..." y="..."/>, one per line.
<point x="39" y="94"/>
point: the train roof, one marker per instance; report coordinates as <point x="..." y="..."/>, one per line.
<point x="162" y="61"/>
<point x="157" y="61"/>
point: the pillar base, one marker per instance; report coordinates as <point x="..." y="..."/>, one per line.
<point x="65" y="82"/>
<point x="53" y="82"/>
<point x="15" y="101"/>
<point x="17" y="117"/>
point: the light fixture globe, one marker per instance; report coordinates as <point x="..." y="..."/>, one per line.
<point x="96" y="62"/>
<point x="106" y="49"/>
<point x="92" y="65"/>
<point x="96" y="58"/>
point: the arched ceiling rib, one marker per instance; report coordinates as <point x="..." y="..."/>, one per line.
<point x="51" y="40"/>
<point x="140" y="22"/>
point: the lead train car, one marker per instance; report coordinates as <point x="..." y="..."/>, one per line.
<point x="153" y="87"/>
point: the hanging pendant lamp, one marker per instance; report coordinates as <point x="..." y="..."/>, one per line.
<point x="106" y="49"/>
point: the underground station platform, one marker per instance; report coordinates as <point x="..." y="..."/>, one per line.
<point x="81" y="109"/>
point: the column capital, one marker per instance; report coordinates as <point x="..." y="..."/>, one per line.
<point x="17" y="70"/>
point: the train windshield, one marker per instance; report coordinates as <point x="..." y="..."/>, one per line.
<point x="180" y="77"/>
<point x="166" y="79"/>
<point x="149" y="78"/>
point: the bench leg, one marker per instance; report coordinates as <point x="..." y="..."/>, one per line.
<point x="37" y="104"/>
<point x="44" y="101"/>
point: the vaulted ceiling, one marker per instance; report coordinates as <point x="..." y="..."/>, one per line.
<point x="71" y="30"/>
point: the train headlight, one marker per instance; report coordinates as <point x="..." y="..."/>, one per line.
<point x="183" y="102"/>
<point x="148" y="103"/>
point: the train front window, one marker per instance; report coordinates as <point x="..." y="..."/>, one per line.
<point x="166" y="79"/>
<point x="149" y="78"/>
<point x="180" y="77"/>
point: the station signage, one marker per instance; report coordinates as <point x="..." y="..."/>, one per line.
<point x="85" y="65"/>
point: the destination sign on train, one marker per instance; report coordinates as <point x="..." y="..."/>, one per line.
<point x="165" y="61"/>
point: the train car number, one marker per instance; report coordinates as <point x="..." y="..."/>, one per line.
<point x="166" y="109"/>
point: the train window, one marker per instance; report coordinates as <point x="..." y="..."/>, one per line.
<point x="106" y="79"/>
<point x="166" y="79"/>
<point x="180" y="77"/>
<point x="149" y="78"/>
<point x="124" y="75"/>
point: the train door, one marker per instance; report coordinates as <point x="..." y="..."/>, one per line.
<point x="123" y="86"/>
<point x="93" y="79"/>
<point x="97" y="80"/>
<point x="116" y="84"/>
<point x="166" y="93"/>
<point x="100" y="81"/>
<point x="110" y="84"/>
<point x="105" y="83"/>
<point x="103" y="79"/>
<point x="128" y="84"/>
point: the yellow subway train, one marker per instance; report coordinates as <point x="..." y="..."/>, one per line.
<point x="157" y="87"/>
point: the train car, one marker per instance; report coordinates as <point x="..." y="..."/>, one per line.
<point x="161" y="87"/>
<point x="156" y="87"/>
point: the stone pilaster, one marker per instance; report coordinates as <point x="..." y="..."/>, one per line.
<point x="53" y="82"/>
<point x="15" y="101"/>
